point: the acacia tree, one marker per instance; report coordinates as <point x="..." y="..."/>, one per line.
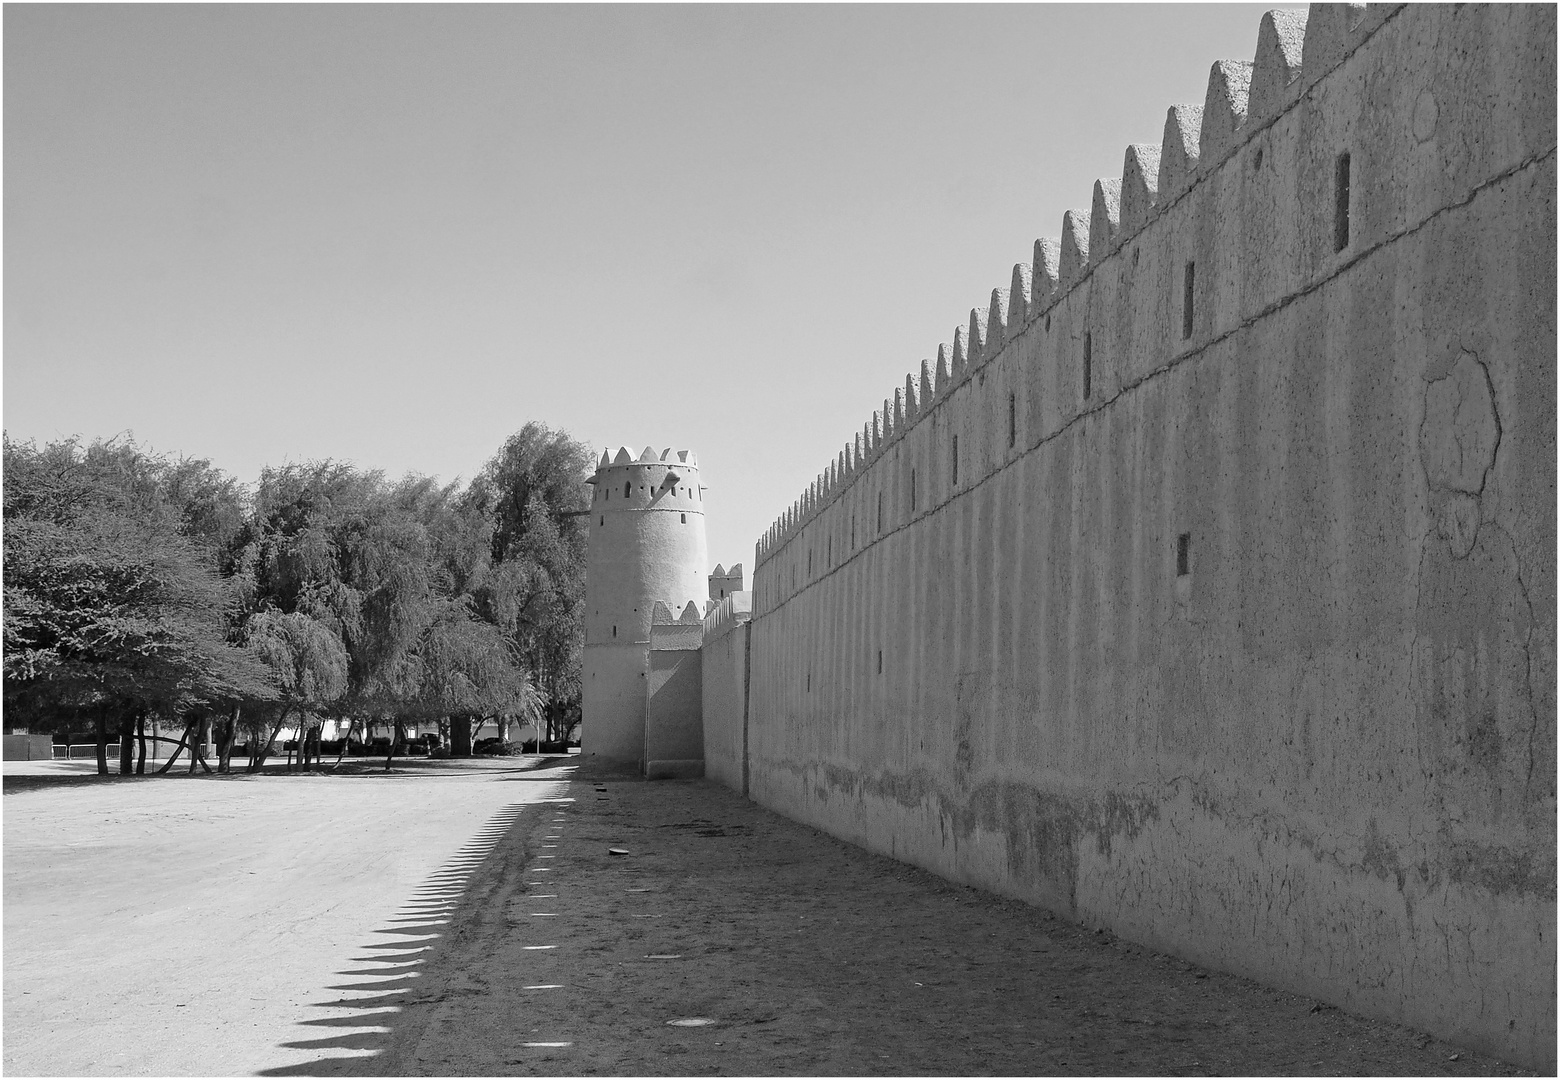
<point x="136" y="583"/>
<point x="111" y="610"/>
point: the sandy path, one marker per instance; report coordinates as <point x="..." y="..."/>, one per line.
<point x="231" y="926"/>
<point x="805" y="956"/>
<point x="469" y="919"/>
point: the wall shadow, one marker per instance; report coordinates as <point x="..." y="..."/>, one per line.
<point x="384" y="976"/>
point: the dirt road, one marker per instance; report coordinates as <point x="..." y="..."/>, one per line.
<point x="471" y="918"/>
<point x="209" y="926"/>
<point x="730" y="941"/>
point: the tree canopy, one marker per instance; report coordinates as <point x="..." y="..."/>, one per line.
<point x="140" y="583"/>
<point x="108" y="600"/>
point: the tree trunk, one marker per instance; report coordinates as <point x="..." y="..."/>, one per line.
<point x="395" y="735"/>
<point x="258" y="763"/>
<point x="140" y="745"/>
<point x="177" y="750"/>
<point x="230" y="735"/>
<point x="351" y="727"/>
<point x="460" y="736"/>
<point x="102" y="742"/>
<point x="206" y="737"/>
<point x="227" y="736"/>
<point x="126" y="744"/>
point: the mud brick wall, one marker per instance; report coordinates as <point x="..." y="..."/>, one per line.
<point x="1204" y="586"/>
<point x="725" y="672"/>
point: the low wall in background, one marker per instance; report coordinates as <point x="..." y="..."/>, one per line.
<point x="1204" y="588"/>
<point x="29" y="747"/>
<point x="674" y="721"/>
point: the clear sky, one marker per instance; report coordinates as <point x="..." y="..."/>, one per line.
<point x="394" y="234"/>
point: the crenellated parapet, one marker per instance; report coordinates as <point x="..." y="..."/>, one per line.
<point x="1294" y="50"/>
<point x="666" y="480"/>
<point x="727" y="614"/>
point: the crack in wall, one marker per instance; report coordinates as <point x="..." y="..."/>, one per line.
<point x="1459" y="439"/>
<point x="1527" y="655"/>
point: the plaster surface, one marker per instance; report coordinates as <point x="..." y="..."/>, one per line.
<point x="674" y="718"/>
<point x="724" y="670"/>
<point x="647" y="546"/>
<point x="1203" y="587"/>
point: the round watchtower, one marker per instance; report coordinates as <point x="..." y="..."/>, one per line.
<point x="646" y="544"/>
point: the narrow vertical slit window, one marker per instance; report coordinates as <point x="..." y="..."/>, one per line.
<point x="880" y="512"/>
<point x="956" y="460"/>
<point x="1341" y="204"/>
<point x="912" y="489"/>
<point x="1188" y="300"/>
<point x="1012" y="419"/>
<point x="685" y="519"/>
<point x="1088" y="365"/>
<point x="1183" y="555"/>
<point x="880" y="661"/>
<point x="628" y="489"/>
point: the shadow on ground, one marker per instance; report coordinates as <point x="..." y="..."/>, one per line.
<point x="387" y="973"/>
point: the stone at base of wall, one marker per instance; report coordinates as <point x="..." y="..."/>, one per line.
<point x="686" y="769"/>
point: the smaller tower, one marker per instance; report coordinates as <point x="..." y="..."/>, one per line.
<point x="646" y="547"/>
<point x="724" y="582"/>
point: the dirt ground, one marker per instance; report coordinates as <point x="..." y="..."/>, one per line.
<point x="165" y="926"/>
<point x="469" y="917"/>
<point x="729" y="940"/>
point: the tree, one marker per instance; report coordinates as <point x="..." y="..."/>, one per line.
<point x="533" y="493"/>
<point x="309" y="663"/>
<point x="111" y="610"/>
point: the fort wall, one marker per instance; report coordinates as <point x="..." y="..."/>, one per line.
<point x="726" y="650"/>
<point x="1204" y="586"/>
<point x="673" y="716"/>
